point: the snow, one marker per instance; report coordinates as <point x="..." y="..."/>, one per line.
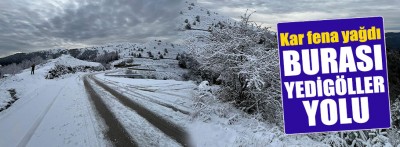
<point x="227" y="126"/>
<point x="218" y="125"/>
<point x="162" y="69"/>
<point x="5" y="97"/>
<point x="49" y="112"/>
<point x="207" y="18"/>
<point x="67" y="60"/>
<point x="125" y="49"/>
<point x="139" y="128"/>
<point x="204" y="86"/>
<point x="157" y="95"/>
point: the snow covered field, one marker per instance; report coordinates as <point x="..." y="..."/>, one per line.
<point x="164" y="69"/>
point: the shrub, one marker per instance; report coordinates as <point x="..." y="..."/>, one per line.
<point x="60" y="70"/>
<point x="188" y="26"/>
<point x="248" y="71"/>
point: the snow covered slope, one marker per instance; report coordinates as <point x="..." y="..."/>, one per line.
<point x="200" y="18"/>
<point x="195" y="22"/>
<point x="67" y="60"/>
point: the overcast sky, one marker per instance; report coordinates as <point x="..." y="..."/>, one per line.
<point x="270" y="12"/>
<point x="30" y="25"/>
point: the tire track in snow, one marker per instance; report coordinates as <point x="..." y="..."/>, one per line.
<point x="91" y="114"/>
<point x="116" y="133"/>
<point x="162" y="103"/>
<point x="38" y="121"/>
<point x="151" y="99"/>
<point x="148" y="98"/>
<point x="168" y="128"/>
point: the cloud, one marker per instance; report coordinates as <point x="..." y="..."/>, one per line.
<point x="30" y="25"/>
<point x="269" y="13"/>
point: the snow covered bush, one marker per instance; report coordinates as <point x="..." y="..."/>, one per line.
<point x="245" y="59"/>
<point x="395" y="108"/>
<point x="60" y="70"/>
<point x="394" y="131"/>
<point x="67" y="64"/>
<point x="7" y="98"/>
<point x="107" y="57"/>
<point x="394" y="137"/>
<point x="393" y="62"/>
<point x="376" y="137"/>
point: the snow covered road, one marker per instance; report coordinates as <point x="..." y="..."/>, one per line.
<point x="50" y="113"/>
<point x="117" y="132"/>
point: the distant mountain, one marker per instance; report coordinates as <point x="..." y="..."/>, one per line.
<point x="156" y="47"/>
<point x="392" y="40"/>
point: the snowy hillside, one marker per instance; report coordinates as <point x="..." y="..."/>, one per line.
<point x="169" y="50"/>
<point x="195" y="22"/>
<point x="200" y="18"/>
<point x="97" y="53"/>
<point x="67" y="60"/>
